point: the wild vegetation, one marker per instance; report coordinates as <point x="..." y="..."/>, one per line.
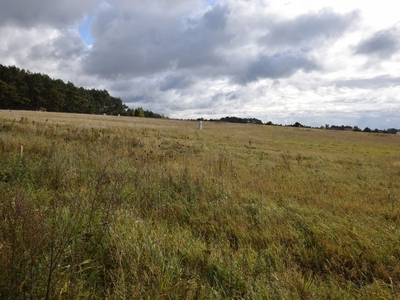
<point x="130" y="208"/>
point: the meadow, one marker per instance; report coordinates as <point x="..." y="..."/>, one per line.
<point x="106" y="207"/>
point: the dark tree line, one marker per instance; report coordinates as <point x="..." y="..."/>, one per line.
<point x="140" y="112"/>
<point x="237" y="120"/>
<point x="20" y="89"/>
<point x="299" y="125"/>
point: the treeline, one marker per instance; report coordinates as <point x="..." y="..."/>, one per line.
<point x="20" y="89"/>
<point x="235" y="120"/>
<point x="366" y="129"/>
<point x="344" y="128"/>
<point x="23" y="90"/>
<point x="140" y="112"/>
<point x="241" y="120"/>
<point x="299" y="125"/>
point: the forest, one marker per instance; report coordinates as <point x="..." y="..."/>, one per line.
<point x="24" y="90"/>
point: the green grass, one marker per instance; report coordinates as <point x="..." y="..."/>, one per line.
<point x="131" y="208"/>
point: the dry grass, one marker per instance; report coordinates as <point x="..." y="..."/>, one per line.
<point x="119" y="207"/>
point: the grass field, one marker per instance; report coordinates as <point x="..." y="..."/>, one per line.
<point x="103" y="207"/>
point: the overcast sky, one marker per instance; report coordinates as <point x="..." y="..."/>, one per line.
<point x="307" y="61"/>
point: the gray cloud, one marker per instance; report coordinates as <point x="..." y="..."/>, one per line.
<point x="227" y="98"/>
<point x="215" y="19"/>
<point x="198" y="45"/>
<point x="66" y="46"/>
<point x="128" y="44"/>
<point x="307" y="29"/>
<point x="175" y="82"/>
<point x="382" y="44"/>
<point x="382" y="81"/>
<point x="280" y="65"/>
<point x="132" y="45"/>
<point x="44" y="12"/>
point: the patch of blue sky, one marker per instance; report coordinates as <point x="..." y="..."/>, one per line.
<point x="84" y="31"/>
<point x="211" y="2"/>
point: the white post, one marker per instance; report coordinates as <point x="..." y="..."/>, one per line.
<point x="200" y="125"/>
<point x="22" y="150"/>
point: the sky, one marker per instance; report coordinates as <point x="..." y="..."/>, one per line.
<point x="315" y="62"/>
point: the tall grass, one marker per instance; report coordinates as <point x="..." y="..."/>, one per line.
<point x="131" y="208"/>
